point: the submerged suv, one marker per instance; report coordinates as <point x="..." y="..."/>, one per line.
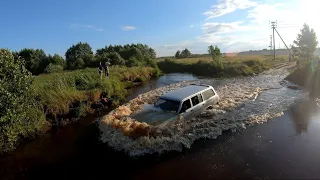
<point x="188" y="102"/>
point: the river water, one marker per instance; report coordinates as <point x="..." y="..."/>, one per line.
<point x="284" y="147"/>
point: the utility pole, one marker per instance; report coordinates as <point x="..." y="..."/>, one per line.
<point x="270" y="45"/>
<point x="290" y="55"/>
<point x="273" y="26"/>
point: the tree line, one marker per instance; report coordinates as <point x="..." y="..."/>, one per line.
<point x="213" y="51"/>
<point x="80" y="56"/>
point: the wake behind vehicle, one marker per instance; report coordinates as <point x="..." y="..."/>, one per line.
<point x="186" y="102"/>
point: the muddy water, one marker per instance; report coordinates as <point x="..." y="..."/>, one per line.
<point x="244" y="102"/>
<point x="285" y="147"/>
<point x="60" y="150"/>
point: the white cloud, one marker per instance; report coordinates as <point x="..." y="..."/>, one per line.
<point x="228" y="6"/>
<point x="220" y="28"/>
<point x="251" y="30"/>
<point x="128" y="28"/>
<point x="85" y="27"/>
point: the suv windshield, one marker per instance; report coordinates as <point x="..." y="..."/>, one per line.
<point x="167" y="105"/>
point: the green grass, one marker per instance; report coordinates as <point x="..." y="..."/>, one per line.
<point x="74" y="91"/>
<point x="229" y="66"/>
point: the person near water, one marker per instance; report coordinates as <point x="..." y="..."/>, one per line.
<point x="106" y="69"/>
<point x="100" y="70"/>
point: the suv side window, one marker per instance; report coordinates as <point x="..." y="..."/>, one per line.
<point x="208" y="94"/>
<point x="185" y="106"/>
<point x="195" y="100"/>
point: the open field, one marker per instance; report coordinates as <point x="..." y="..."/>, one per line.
<point x="228" y="66"/>
<point x="234" y="58"/>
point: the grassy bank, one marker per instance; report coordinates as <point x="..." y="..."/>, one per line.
<point x="68" y="95"/>
<point x="308" y="76"/>
<point x="228" y="66"/>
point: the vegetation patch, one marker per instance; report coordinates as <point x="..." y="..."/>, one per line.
<point x="213" y="68"/>
<point x="307" y="73"/>
<point x="73" y="93"/>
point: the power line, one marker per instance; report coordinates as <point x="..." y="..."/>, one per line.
<point x="274" y="26"/>
<point x="287" y="26"/>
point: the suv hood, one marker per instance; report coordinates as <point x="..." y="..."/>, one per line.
<point x="153" y="115"/>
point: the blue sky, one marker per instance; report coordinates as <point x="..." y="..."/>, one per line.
<point x="166" y="25"/>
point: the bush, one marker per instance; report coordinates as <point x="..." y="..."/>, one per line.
<point x="256" y="65"/>
<point x="307" y="75"/>
<point x="19" y="115"/>
<point x="51" y="68"/>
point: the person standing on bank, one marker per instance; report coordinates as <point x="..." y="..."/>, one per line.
<point x="100" y="70"/>
<point x="106" y="69"/>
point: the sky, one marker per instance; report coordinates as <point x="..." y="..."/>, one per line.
<point x="166" y="25"/>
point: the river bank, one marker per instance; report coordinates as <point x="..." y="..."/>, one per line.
<point x="64" y="97"/>
<point x="67" y="96"/>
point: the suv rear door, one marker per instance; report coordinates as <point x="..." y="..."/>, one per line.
<point x="197" y="104"/>
<point x="209" y="96"/>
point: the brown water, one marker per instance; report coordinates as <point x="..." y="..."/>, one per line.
<point x="285" y="147"/>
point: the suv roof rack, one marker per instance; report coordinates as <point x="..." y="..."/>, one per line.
<point x="200" y="85"/>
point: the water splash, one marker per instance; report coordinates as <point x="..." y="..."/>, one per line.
<point x="244" y="101"/>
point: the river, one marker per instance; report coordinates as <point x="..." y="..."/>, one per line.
<point x="285" y="147"/>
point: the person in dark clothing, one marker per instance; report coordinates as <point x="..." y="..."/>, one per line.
<point x="100" y="70"/>
<point x="106" y="69"/>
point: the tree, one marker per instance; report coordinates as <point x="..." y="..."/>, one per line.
<point x="19" y="112"/>
<point x="136" y="53"/>
<point x="79" y="56"/>
<point x="178" y="54"/>
<point x="56" y="59"/>
<point x="101" y="57"/>
<point x="217" y="52"/>
<point x="306" y="43"/>
<point x="116" y="59"/>
<point x="185" y="53"/>
<point x="214" y="52"/>
<point x="35" y="60"/>
<point x="152" y="53"/>
<point x="211" y="50"/>
<point x="129" y="54"/>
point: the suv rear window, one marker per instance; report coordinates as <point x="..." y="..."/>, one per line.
<point x="208" y="94"/>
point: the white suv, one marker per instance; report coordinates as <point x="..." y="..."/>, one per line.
<point x="188" y="102"/>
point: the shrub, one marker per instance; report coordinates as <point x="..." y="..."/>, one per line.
<point x="51" y="68"/>
<point x="19" y="115"/>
